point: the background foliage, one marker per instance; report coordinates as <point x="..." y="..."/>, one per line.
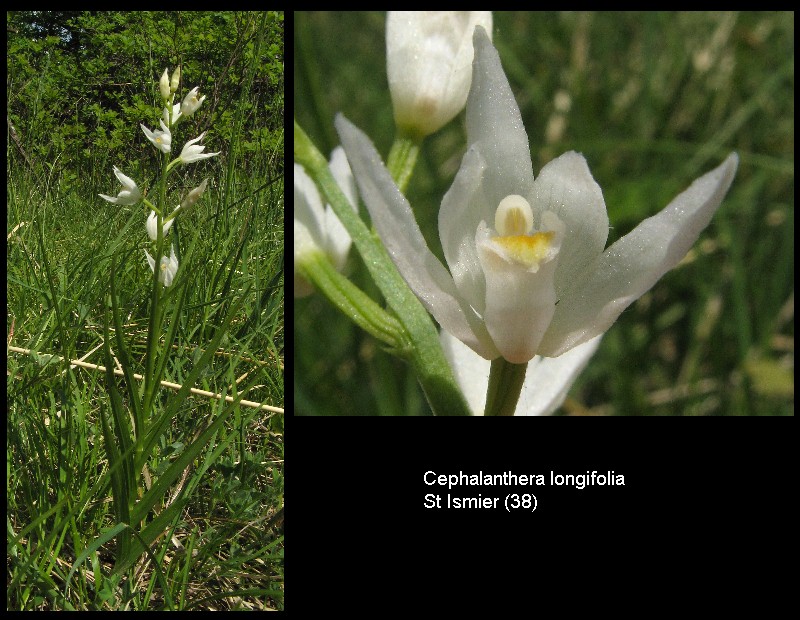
<point x="76" y="80"/>
<point x="653" y="100"/>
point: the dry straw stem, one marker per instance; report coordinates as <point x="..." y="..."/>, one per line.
<point x="167" y="384"/>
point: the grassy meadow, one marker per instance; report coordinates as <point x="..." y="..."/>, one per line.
<point x="652" y="100"/>
<point x="201" y="493"/>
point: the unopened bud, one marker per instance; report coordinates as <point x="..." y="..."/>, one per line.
<point x="176" y="78"/>
<point x="163" y="85"/>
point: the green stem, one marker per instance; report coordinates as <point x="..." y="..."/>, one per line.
<point x="505" y="385"/>
<point x="401" y="160"/>
<point x="153" y="333"/>
<point x="351" y="300"/>
<point x="425" y="353"/>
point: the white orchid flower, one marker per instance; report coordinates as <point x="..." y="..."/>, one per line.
<point x="191" y="102"/>
<point x="162" y="140"/>
<point x="429" y="65"/>
<point x="528" y="274"/>
<point x="152" y="225"/>
<point x="316" y="227"/>
<point x="547" y="379"/>
<point x="194" y="152"/>
<point x="169" y="266"/>
<point x="129" y="195"/>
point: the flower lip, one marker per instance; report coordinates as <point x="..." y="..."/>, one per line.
<point x="516" y="243"/>
<point x="525" y="250"/>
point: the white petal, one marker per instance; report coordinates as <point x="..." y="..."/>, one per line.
<point x="337" y="239"/>
<point x="459" y="216"/>
<point x="150" y="260"/>
<point x="190" y="143"/>
<point x="125" y="180"/>
<point x="393" y="219"/>
<point x="303" y="244"/>
<point x="470" y="369"/>
<point x="308" y="209"/>
<point x="152" y="225"/>
<point x="632" y="265"/>
<point x="566" y="187"/>
<point x="547" y="379"/>
<point x="495" y="124"/>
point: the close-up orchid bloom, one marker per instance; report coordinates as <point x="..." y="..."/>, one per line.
<point x="529" y="273"/>
<point x="429" y="64"/>
<point x="316" y="227"/>
<point x="129" y="195"/>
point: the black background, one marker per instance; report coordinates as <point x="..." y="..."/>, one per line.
<point x="704" y="500"/>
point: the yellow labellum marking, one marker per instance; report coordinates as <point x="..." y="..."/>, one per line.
<point x="526" y="249"/>
<point x="513" y="221"/>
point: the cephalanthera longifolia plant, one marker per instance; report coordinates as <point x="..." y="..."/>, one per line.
<point x="148" y="500"/>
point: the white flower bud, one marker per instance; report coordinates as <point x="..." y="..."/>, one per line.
<point x="429" y="62"/>
<point x="176" y="78"/>
<point x="163" y="85"/>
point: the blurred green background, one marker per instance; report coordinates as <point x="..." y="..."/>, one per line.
<point x="652" y="100"/>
